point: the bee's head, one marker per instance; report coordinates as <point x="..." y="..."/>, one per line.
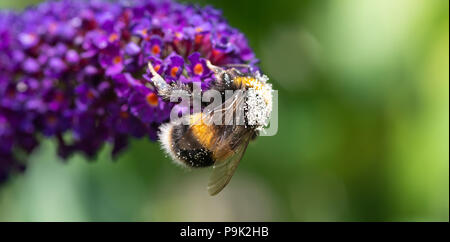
<point x="258" y="102"/>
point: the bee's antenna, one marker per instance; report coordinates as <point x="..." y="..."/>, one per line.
<point x="218" y="72"/>
<point x="215" y="69"/>
<point x="239" y="65"/>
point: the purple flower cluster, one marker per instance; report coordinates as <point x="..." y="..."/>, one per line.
<point x="76" y="70"/>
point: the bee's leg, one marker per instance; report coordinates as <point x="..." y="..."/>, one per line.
<point x="160" y="84"/>
<point x="254" y="135"/>
<point x="165" y="90"/>
<point x="247" y="66"/>
<point x="233" y="72"/>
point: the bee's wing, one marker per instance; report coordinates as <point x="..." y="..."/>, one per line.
<point x="237" y="136"/>
<point x="231" y="107"/>
<point x="223" y="171"/>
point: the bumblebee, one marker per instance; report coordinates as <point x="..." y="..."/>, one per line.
<point x="196" y="141"/>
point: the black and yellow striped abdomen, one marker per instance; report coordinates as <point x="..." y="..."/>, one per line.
<point x="197" y="144"/>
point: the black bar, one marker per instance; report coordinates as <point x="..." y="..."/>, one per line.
<point x="240" y="231"/>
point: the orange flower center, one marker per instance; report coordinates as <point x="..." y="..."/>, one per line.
<point x="90" y="94"/>
<point x="113" y="37"/>
<point x="152" y="99"/>
<point x="157" y="67"/>
<point x="124" y="114"/>
<point x="156" y="49"/>
<point x="52" y="120"/>
<point x="198" y="69"/>
<point x="59" y="97"/>
<point x="173" y="71"/>
<point x="198" y="39"/>
<point x="11" y="93"/>
<point x="117" y="60"/>
<point x="216" y="53"/>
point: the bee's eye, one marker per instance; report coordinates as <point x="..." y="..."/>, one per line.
<point x="226" y="77"/>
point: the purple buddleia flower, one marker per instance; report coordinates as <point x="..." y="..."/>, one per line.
<point x="148" y="106"/>
<point x="80" y="68"/>
<point x="174" y="65"/>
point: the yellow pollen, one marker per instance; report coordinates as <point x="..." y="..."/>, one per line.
<point x="249" y="82"/>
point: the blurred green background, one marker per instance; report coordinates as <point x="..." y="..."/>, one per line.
<point x="363" y="129"/>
